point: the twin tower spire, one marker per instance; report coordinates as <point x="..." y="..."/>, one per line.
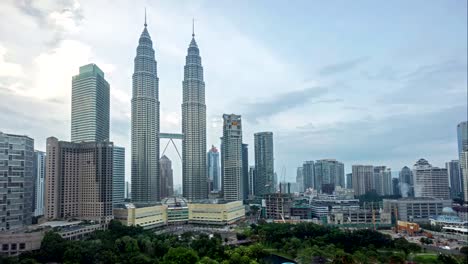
<point x="145" y="130"/>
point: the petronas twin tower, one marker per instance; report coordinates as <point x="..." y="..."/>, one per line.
<point x="146" y="129"/>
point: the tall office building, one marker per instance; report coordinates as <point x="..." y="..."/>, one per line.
<point x="214" y="172"/>
<point x="396" y="186"/>
<point x="128" y="190"/>
<point x="455" y="181"/>
<point x="264" y="163"/>
<point x="16" y="181"/>
<point x="145" y="123"/>
<point x="383" y="180"/>
<point x="194" y="174"/>
<point x="118" y="176"/>
<point x="79" y="180"/>
<point x="430" y="181"/>
<point x="90" y="114"/>
<point x="167" y="180"/>
<point x="39" y="182"/>
<point x="245" y="170"/>
<point x="328" y="172"/>
<point x="252" y="181"/>
<point x="300" y="179"/>
<point x="363" y="179"/>
<point x="231" y="158"/>
<point x="406" y="182"/>
<point x="308" y="175"/>
<point x="349" y="181"/>
<point x="462" y="136"/>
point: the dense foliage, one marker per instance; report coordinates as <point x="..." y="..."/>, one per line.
<point x="305" y="242"/>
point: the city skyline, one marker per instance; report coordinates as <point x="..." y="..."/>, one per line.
<point x="69" y="40"/>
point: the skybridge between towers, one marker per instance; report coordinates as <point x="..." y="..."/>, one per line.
<point x="171" y="137"/>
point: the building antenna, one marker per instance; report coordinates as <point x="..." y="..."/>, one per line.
<point x="193" y="27"/>
<point x="145" y="18"/>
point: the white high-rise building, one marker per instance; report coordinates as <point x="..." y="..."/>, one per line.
<point x="145" y="124"/>
<point x="194" y="174"/>
<point x="430" y="181"/>
<point x="363" y="179"/>
<point x="383" y="180"/>
<point x="39" y="182"/>
<point x="462" y="136"/>
<point x="231" y="158"/>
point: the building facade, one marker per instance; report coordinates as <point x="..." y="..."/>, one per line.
<point x="462" y="136"/>
<point x="278" y="205"/>
<point x="16" y="181"/>
<point x="264" y="163"/>
<point x="455" y="181"/>
<point x="383" y="180"/>
<point x="349" y="180"/>
<point x="231" y="158"/>
<point x="214" y="171"/>
<point x="328" y="172"/>
<point x="79" y="180"/>
<point x="245" y="170"/>
<point x="300" y="179"/>
<point x="251" y="182"/>
<point x="39" y="182"/>
<point x="90" y="114"/>
<point x="430" y="181"/>
<point x="308" y="175"/>
<point x="406" y="182"/>
<point x="167" y="180"/>
<point x="145" y="123"/>
<point x="363" y="176"/>
<point x="416" y="209"/>
<point x="194" y="174"/>
<point x="118" y="175"/>
<point x="396" y="186"/>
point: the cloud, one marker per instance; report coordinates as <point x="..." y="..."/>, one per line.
<point x="8" y="69"/>
<point x="282" y="102"/>
<point x="343" y="66"/>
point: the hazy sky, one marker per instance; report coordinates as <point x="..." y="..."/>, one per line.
<point x="365" y="82"/>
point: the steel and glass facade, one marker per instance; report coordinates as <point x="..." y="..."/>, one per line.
<point x="90" y="105"/>
<point x="118" y="176"/>
<point x="39" y="182"/>
<point x="16" y="181"/>
<point x="231" y="158"/>
<point x="194" y="174"/>
<point x="145" y="124"/>
<point x="264" y="163"/>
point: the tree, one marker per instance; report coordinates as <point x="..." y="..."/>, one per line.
<point x="446" y="259"/>
<point x="207" y="260"/>
<point x="180" y="255"/>
<point x="52" y="247"/>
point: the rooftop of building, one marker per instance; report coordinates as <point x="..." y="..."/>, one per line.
<point x="409" y="199"/>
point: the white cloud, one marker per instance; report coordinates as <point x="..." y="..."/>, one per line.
<point x="8" y="69"/>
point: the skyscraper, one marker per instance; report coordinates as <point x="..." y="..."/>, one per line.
<point x="145" y="123"/>
<point x="462" y="135"/>
<point x="245" y="170"/>
<point x="90" y="112"/>
<point x="16" y="180"/>
<point x="300" y="179"/>
<point x="455" y="181"/>
<point x="194" y="174"/>
<point x="383" y="180"/>
<point x="349" y="181"/>
<point x="406" y="182"/>
<point x="79" y="180"/>
<point x="264" y="163"/>
<point x="330" y="172"/>
<point x="214" y="172"/>
<point x="252" y="181"/>
<point x="167" y="181"/>
<point x="308" y="174"/>
<point x="118" y="176"/>
<point x="39" y="182"/>
<point x="430" y="181"/>
<point x="363" y="179"/>
<point x="396" y="186"/>
<point x="231" y="158"/>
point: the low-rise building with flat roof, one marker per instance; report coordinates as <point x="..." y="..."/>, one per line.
<point x="418" y="209"/>
<point x="145" y="216"/>
<point x="215" y="212"/>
